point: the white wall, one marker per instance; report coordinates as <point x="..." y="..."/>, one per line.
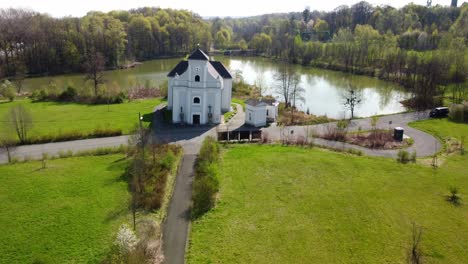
<point x="182" y="89"/>
<point x="227" y="93"/>
<point x="255" y="115"/>
<point x="272" y="111"/>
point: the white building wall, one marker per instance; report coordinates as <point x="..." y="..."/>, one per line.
<point x="255" y="115"/>
<point x="272" y="111"/>
<point x="227" y="92"/>
<point x="169" y="93"/>
<point x="183" y="89"/>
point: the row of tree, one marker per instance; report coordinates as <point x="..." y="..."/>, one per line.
<point x="33" y="43"/>
<point x="421" y="47"/>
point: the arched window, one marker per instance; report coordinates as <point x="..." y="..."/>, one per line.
<point x="197" y="78"/>
<point x="196" y="100"/>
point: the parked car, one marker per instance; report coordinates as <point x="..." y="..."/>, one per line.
<point x="439" y="112"/>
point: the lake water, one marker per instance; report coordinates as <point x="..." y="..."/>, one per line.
<point x="323" y="95"/>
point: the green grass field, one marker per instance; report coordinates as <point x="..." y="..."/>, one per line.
<point x="56" y="118"/>
<point x="66" y="213"/>
<point x="296" y="205"/>
<point x="443" y="128"/>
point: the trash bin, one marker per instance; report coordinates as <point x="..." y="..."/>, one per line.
<point x="398" y="133"/>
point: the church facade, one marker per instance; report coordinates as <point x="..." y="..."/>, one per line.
<point x="199" y="90"/>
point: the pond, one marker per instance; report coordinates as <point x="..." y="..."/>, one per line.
<point x="324" y="89"/>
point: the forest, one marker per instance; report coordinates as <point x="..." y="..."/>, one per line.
<point x="421" y="47"/>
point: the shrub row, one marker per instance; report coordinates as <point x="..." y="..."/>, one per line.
<point x="148" y="174"/>
<point x="71" y="95"/>
<point x="73" y="135"/>
<point x="206" y="183"/>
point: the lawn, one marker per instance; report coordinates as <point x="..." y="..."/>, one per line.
<point x="297" y="205"/>
<point x="66" y="213"/>
<point x="443" y="128"/>
<point x="56" y="118"/>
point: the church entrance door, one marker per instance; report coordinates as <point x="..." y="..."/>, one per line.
<point x="196" y="119"/>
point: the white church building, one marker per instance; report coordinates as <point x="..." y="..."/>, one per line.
<point x="199" y="90"/>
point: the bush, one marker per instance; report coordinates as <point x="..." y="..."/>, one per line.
<point x="454" y="197"/>
<point x="68" y="95"/>
<point x="403" y="156"/>
<point x="7" y="90"/>
<point x="459" y="113"/>
<point x="39" y="95"/>
<point x="204" y="195"/>
<point x="206" y="182"/>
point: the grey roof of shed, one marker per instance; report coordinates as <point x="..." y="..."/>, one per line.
<point x="261" y="101"/>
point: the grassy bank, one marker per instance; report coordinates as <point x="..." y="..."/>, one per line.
<point x="295" y="205"/>
<point x="68" y="212"/>
<point x="51" y="118"/>
<point x="443" y="129"/>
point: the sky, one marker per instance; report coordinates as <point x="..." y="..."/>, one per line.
<point x="205" y="8"/>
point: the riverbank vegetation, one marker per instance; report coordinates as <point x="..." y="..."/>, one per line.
<point x="403" y="45"/>
<point x="422" y="47"/>
<point x="295" y="199"/>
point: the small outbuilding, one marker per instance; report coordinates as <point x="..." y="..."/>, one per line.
<point x="260" y="111"/>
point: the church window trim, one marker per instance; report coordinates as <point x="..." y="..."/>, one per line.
<point x="196" y="100"/>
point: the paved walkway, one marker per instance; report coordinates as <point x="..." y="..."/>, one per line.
<point x="236" y="121"/>
<point x="53" y="149"/>
<point x="424" y="144"/>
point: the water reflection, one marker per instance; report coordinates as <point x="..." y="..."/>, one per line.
<point x="323" y="89"/>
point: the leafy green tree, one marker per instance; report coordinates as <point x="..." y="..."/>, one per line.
<point x="321" y="29"/>
<point x="261" y="42"/>
<point x="7" y="90"/>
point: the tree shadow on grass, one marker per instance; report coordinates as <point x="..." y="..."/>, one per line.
<point x="115" y="214"/>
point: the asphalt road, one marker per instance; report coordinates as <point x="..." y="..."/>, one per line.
<point x="424" y="144"/>
<point x="53" y="149"/>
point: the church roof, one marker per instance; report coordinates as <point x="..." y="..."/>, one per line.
<point x="198" y="54"/>
<point x="221" y="69"/>
<point x="180" y="68"/>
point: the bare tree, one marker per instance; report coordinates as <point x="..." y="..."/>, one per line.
<point x="351" y="99"/>
<point x="19" y="120"/>
<point x="94" y="68"/>
<point x="285" y="81"/>
<point x="297" y="94"/>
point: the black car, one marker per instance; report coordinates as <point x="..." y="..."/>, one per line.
<point x="439" y="112"/>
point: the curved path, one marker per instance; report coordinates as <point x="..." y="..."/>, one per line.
<point x="424" y="144"/>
